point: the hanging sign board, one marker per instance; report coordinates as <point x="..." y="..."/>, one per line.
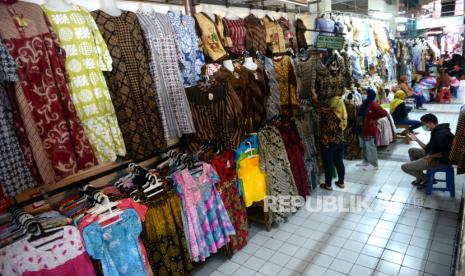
<point x="330" y="42"/>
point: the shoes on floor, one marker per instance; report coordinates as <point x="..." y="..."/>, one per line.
<point x="363" y="164"/>
<point x="370" y="168"/>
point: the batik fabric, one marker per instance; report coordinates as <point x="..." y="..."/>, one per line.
<point x="130" y="84"/>
<point x="86" y="57"/>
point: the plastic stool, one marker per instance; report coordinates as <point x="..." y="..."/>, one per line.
<point x="450" y="180"/>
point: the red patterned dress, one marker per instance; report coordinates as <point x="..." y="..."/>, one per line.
<point x="226" y="168"/>
<point x="40" y="67"/>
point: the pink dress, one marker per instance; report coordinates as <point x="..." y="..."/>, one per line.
<point x="65" y="257"/>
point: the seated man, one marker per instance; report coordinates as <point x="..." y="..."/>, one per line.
<point x="434" y="155"/>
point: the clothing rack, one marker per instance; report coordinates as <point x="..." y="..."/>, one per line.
<point x="249" y="6"/>
<point x="82" y="182"/>
<point x="359" y="15"/>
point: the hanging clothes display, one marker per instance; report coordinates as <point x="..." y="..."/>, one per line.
<point x="184" y="27"/>
<point x="42" y="84"/>
<point x="279" y="179"/>
<point x="86" y="56"/>
<point x="165" y="57"/>
<point x="130" y="84"/>
<point x="209" y="226"/>
<point x="274" y="35"/>
<point x="15" y="176"/>
<point x="287" y="83"/>
<point x="211" y="46"/>
<point x="289" y="35"/>
<point x="225" y="165"/>
<point x="311" y="76"/>
<point x="217" y="114"/>
<point x="163" y="236"/>
<point x="236" y="31"/>
<point x="256" y="34"/>
<point x="300" y="30"/>
<point x="335" y="83"/>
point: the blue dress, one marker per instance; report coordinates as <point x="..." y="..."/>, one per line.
<point x="116" y="245"/>
<point x="184" y="27"/>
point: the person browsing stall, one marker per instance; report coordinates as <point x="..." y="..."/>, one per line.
<point x="400" y="111"/>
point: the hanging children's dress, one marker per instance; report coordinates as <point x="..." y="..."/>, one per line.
<point x="208" y="225"/>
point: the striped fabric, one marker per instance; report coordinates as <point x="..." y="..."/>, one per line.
<point x="236" y="30"/>
<point x="216" y="111"/>
<point x="457" y="152"/>
<point x="256" y="35"/>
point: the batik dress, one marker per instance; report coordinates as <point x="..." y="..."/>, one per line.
<point x="130" y="84"/>
<point x="86" y="56"/>
<point x="33" y="44"/>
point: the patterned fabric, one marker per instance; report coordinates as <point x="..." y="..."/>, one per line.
<point x="335" y="79"/>
<point x="116" y="245"/>
<point x="14" y="172"/>
<point x="353" y="150"/>
<point x="184" y="27"/>
<point x="279" y="179"/>
<point x="250" y="87"/>
<point x="130" y="84"/>
<point x="256" y="36"/>
<point x="287" y="83"/>
<point x="86" y="56"/>
<point x="163" y="237"/>
<point x="274" y="101"/>
<point x="307" y="74"/>
<point x="206" y="218"/>
<point x="274" y="35"/>
<point x="331" y="132"/>
<point x="40" y="168"/>
<point x="225" y="166"/>
<point x="457" y="152"/>
<point x="211" y="46"/>
<point x="217" y="114"/>
<point x="165" y="56"/>
<point x="40" y="68"/>
<point x="305" y="127"/>
<point x="300" y="30"/>
<point x="7" y="65"/>
<point x="236" y="30"/>
<point x="289" y="35"/>
<point x="294" y="149"/>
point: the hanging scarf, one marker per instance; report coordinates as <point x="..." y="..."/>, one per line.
<point x="366" y="103"/>
<point x="339" y="108"/>
<point x="398" y="99"/>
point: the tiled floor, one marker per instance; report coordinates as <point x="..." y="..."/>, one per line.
<point x="404" y="233"/>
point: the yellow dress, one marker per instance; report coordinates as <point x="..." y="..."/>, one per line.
<point x="86" y="57"/>
<point x="253" y="180"/>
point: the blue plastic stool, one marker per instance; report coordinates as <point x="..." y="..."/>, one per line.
<point x="450" y="180"/>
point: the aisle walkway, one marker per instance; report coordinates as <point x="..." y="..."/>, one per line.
<point x="409" y="233"/>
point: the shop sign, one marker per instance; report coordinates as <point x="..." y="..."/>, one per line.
<point x="330" y="42"/>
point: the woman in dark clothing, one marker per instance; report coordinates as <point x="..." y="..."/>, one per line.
<point x="399" y="111"/>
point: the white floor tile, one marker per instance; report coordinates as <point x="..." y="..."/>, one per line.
<point x="414" y="263"/>
<point x="244" y="271"/>
<point x="437" y="269"/>
<point x="330" y="250"/>
<point x="270" y="269"/>
<point x="288" y="272"/>
<point x="229" y="268"/>
<point x="348" y="255"/>
<point x="264" y="253"/>
<point x="341" y="266"/>
<point x="296" y="265"/>
<point x="373" y="251"/>
<point x="314" y="269"/>
<point x="280" y="259"/>
<point x="393" y="257"/>
<point x="367" y="261"/>
<point x="388" y="267"/>
<point x="254" y="263"/>
<point x="405" y="271"/>
<point x="322" y="260"/>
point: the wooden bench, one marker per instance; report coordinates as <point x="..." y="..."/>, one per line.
<point x="405" y="129"/>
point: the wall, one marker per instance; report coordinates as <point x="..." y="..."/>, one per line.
<point x="381" y="5"/>
<point x="440" y="22"/>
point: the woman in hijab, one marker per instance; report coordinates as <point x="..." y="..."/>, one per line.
<point x="399" y="111"/>
<point x="368" y="115"/>
<point x="419" y="99"/>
